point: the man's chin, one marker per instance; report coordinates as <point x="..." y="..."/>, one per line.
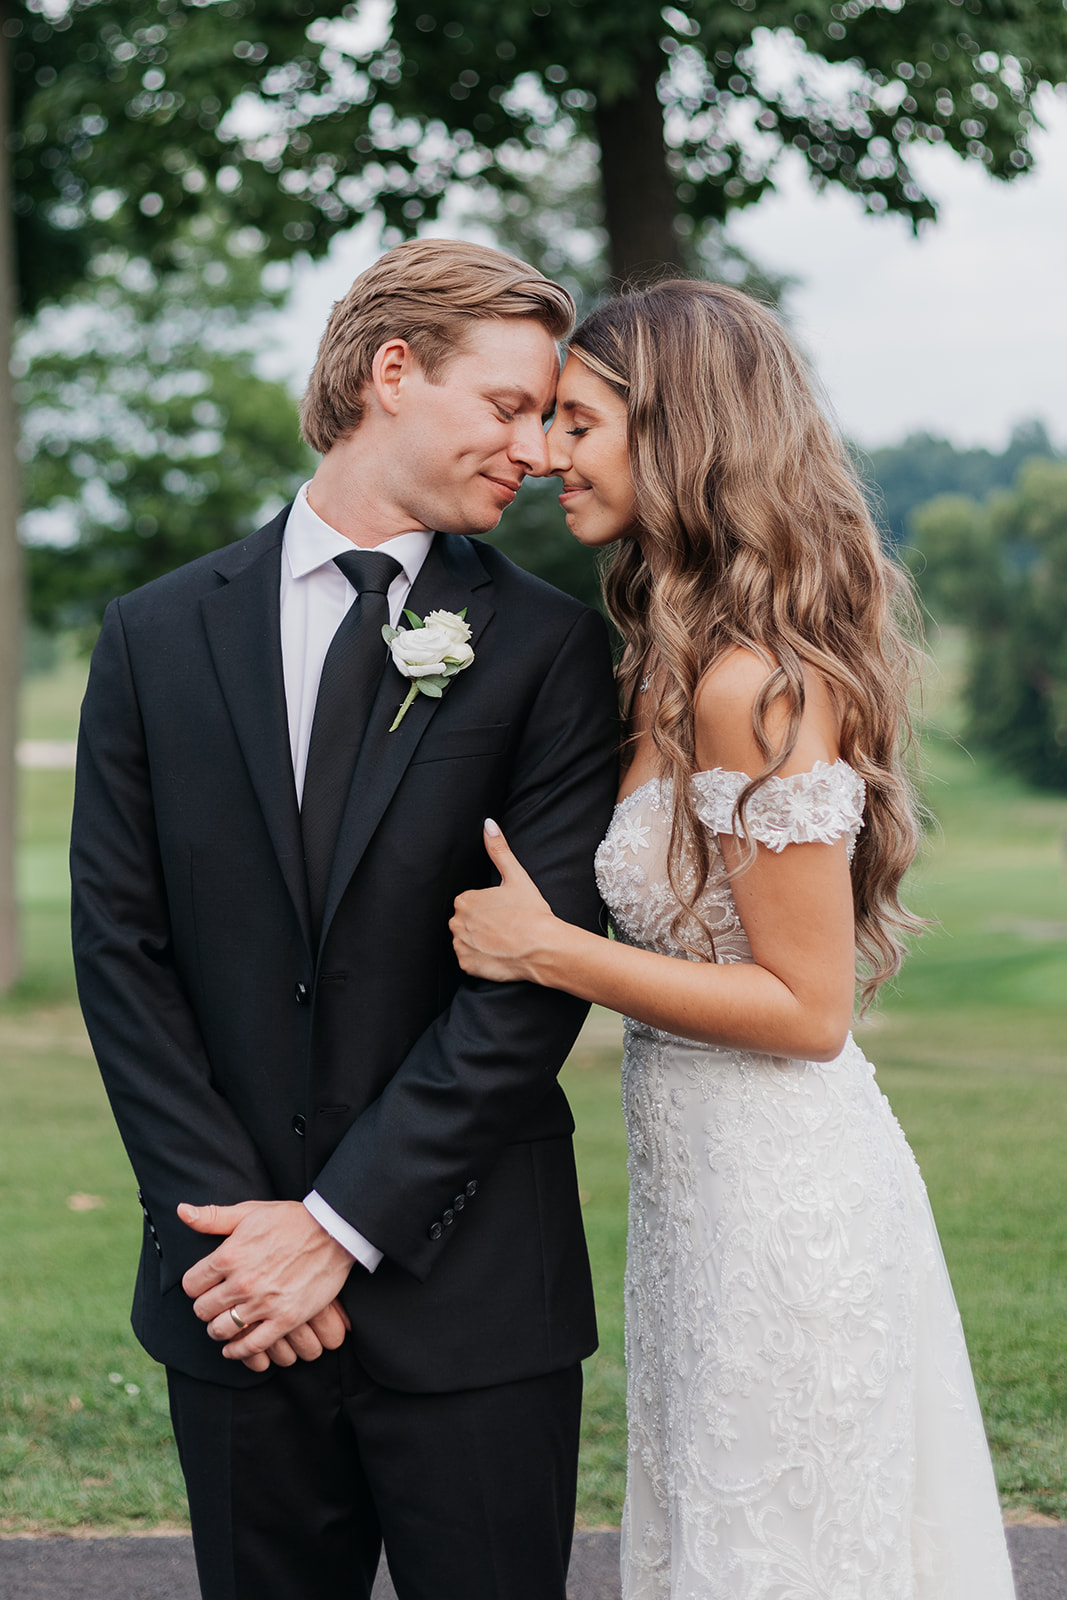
<point x="475" y="525"/>
<point x="485" y="526"/>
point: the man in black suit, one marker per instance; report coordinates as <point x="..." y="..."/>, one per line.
<point x="363" y="1259"/>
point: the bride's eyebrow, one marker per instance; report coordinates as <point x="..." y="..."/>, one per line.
<point x="577" y="405"/>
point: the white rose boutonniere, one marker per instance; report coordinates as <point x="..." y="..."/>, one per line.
<point x="430" y="652"/>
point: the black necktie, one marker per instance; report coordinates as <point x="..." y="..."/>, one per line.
<point x="350" y="677"/>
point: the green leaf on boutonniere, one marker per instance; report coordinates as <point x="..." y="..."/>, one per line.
<point x="445" y="651"/>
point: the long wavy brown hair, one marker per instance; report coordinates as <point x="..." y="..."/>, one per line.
<point x="755" y="532"/>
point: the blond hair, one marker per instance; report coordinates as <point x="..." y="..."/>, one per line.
<point x="429" y="292"/>
<point x="756" y="533"/>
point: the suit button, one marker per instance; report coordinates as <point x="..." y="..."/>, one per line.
<point x="472" y="1188"/>
<point x="459" y="1202"/>
<point x="436" y="1231"/>
<point x="299" y="1125"/>
<point x="159" y="1250"/>
<point x="300" y="993"/>
<point x="448" y="1217"/>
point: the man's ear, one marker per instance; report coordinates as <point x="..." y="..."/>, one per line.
<point x="392" y="362"/>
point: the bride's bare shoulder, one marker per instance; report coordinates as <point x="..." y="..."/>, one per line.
<point x="733" y="681"/>
<point x="723" y="710"/>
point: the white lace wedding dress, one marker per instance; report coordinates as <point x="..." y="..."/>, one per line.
<point x="802" y="1418"/>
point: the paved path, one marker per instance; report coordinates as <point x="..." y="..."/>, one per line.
<point x="162" y="1569"/>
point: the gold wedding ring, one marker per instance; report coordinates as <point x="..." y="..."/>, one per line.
<point x="238" y="1322"/>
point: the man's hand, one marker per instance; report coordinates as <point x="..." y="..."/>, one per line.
<point x="306" y="1343"/>
<point x="279" y="1271"/>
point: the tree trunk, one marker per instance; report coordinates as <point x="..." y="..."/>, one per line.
<point x="10" y="562"/>
<point x="639" y="200"/>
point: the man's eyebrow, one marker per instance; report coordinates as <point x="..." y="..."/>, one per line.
<point x="521" y="398"/>
<point x="513" y="391"/>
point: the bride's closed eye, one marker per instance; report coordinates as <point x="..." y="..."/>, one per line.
<point x="576" y="433"/>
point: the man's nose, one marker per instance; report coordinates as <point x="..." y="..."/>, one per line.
<point x="530" y="448"/>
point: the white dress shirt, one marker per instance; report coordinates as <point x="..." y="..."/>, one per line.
<point x="315" y="595"/>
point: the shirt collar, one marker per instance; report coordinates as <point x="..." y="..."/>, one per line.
<point x="311" y="543"/>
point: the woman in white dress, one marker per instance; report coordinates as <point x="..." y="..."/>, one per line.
<point x="802" y="1418"/>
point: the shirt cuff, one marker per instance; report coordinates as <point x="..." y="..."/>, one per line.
<point x="367" y="1254"/>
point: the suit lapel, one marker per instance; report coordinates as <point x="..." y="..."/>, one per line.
<point x="452" y="578"/>
<point x="244" y="635"/>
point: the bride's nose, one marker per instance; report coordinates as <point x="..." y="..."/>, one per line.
<point x="559" y="448"/>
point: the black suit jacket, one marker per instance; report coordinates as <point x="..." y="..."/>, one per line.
<point x="241" y="1062"/>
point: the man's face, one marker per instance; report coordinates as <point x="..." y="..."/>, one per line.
<point x="465" y="442"/>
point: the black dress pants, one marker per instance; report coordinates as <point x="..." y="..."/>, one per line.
<point x="293" y="1486"/>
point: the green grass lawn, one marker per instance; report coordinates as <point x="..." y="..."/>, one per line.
<point x="971" y="1048"/>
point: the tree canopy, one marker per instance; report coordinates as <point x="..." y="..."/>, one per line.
<point x="130" y="114"/>
<point x="693" y="105"/>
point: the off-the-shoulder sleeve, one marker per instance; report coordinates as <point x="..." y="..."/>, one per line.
<point x="816" y="807"/>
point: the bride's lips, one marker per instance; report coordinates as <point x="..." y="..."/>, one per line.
<point x="570" y="491"/>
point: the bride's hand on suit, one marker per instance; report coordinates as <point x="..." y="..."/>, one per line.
<point x="498" y="933"/>
<point x="269" y="1291"/>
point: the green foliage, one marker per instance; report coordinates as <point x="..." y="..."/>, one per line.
<point x="501" y="76"/>
<point x="125" y="124"/>
<point x="120" y="136"/>
<point x="1000" y="569"/>
<point x="148" y="437"/>
<point x="907" y="475"/>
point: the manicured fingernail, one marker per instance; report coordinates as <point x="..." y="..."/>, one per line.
<point x="492" y="828"/>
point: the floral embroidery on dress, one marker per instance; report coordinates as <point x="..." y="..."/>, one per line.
<point x="630" y="835"/>
<point x="802" y="1417"/>
<point x="816" y="807"/>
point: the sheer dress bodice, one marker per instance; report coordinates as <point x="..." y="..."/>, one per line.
<point x="802" y="1417"/>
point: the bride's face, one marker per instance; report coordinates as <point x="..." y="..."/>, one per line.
<point x="587" y="450"/>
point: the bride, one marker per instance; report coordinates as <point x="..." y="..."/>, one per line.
<point x="802" y="1419"/>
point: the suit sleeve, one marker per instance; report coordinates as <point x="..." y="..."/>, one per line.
<point x="479" y="1072"/>
<point x="181" y="1135"/>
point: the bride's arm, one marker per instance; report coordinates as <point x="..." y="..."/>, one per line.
<point x="794" y="999"/>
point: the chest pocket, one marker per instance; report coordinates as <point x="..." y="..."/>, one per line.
<point x="453" y="744"/>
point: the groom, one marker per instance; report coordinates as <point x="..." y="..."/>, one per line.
<point x="363" y="1261"/>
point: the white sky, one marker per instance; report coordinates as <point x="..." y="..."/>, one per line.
<point x="962" y="331"/>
